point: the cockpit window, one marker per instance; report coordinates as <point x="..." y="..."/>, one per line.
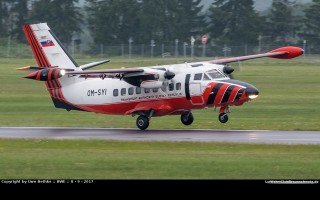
<point x="206" y="77"/>
<point x="215" y="74"/>
<point x="198" y="76"/>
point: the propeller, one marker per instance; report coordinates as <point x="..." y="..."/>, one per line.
<point x="166" y="76"/>
<point x="169" y="75"/>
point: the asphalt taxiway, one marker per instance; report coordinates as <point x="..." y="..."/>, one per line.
<point x="234" y="136"/>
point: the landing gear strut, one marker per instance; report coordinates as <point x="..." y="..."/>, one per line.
<point x="187" y="118"/>
<point x="223" y="116"/>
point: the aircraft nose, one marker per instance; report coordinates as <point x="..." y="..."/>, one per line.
<point x="252" y="92"/>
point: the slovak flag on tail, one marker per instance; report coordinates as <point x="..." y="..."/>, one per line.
<point x="47" y="43"/>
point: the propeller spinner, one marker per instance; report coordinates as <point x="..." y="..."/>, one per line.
<point x="228" y="70"/>
<point x="169" y="75"/>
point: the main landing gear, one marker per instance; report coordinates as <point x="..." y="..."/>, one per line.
<point x="187" y="118"/>
<point x="143" y="120"/>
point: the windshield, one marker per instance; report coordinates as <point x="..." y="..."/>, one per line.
<point x="215" y="74"/>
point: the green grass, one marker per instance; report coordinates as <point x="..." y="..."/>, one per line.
<point x="289" y="98"/>
<point x="92" y="159"/>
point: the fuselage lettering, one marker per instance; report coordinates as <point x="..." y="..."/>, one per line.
<point x="99" y="92"/>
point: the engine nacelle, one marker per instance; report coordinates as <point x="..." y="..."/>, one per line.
<point x="47" y="74"/>
<point x="152" y="84"/>
<point x="162" y="75"/>
<point x="152" y="78"/>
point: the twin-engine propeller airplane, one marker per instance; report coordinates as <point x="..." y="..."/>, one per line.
<point x="148" y="92"/>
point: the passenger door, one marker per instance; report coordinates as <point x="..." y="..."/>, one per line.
<point x="195" y="89"/>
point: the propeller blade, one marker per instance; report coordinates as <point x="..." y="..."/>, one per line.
<point x="169" y="75"/>
<point x="228" y="70"/>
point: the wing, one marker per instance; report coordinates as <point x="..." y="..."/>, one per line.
<point x="141" y="77"/>
<point x="106" y="73"/>
<point x="281" y="53"/>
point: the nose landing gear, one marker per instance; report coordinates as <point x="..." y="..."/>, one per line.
<point x="223" y="116"/>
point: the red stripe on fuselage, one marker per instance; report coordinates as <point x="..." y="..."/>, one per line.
<point x="220" y="94"/>
<point x="208" y="90"/>
<point x="121" y="108"/>
<point x="234" y="94"/>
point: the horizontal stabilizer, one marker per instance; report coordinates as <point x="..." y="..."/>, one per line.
<point x="29" y="68"/>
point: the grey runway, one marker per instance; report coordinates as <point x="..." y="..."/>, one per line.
<point x="235" y="136"/>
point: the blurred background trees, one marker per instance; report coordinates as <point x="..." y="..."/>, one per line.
<point x="115" y="22"/>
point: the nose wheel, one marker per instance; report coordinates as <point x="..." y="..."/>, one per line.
<point x="223" y="117"/>
<point x="187" y="118"/>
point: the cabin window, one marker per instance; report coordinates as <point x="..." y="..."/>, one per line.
<point x="178" y="86"/>
<point x="164" y="88"/>
<point x="206" y="77"/>
<point x="146" y="90"/>
<point x="123" y="91"/>
<point x="171" y="87"/>
<point x="115" y="92"/>
<point x="198" y="77"/>
<point x="130" y="91"/>
<point x="138" y="90"/>
<point x="155" y="90"/>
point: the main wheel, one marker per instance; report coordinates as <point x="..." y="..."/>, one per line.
<point x="223" y="117"/>
<point x="187" y="118"/>
<point x="142" y="122"/>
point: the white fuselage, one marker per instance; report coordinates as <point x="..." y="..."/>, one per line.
<point x="96" y="91"/>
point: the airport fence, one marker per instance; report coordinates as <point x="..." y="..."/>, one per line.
<point x="148" y="51"/>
